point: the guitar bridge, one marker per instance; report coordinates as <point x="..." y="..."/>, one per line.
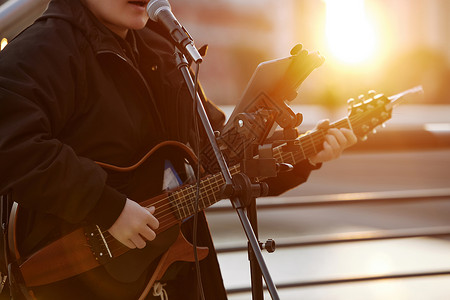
<point x="98" y="244"/>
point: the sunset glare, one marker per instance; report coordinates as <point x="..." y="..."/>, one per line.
<point x="350" y="34"/>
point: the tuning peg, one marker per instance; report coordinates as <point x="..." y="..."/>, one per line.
<point x="383" y="125"/>
<point x="375" y="121"/>
<point x="381" y="100"/>
<point x="371" y="93"/>
<point x="350" y="104"/>
<point x="364" y="138"/>
<point x="361" y="98"/>
<point x="374" y="131"/>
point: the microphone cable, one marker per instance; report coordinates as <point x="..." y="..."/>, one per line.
<point x="197" y="192"/>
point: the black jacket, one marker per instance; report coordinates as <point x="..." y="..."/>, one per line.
<point x="72" y="93"/>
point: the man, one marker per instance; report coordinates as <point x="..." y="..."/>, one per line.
<point x="94" y="81"/>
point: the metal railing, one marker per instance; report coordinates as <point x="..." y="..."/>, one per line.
<point x="412" y="139"/>
<point x="349" y="237"/>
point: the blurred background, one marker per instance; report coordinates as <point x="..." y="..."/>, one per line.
<point x="384" y="45"/>
<point x="374" y="224"/>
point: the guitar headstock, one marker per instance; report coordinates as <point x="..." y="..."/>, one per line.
<point x="368" y="112"/>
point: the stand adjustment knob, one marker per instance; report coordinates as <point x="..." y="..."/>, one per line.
<point x="269" y="245"/>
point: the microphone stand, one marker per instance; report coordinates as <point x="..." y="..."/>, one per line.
<point x="238" y="189"/>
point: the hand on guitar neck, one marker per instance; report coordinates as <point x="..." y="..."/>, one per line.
<point x="336" y="141"/>
<point x="135" y="225"/>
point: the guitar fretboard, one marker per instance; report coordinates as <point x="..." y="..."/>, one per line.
<point x="210" y="188"/>
<point x="307" y="145"/>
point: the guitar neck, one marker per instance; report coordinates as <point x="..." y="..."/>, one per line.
<point x="364" y="116"/>
<point x="210" y="192"/>
<point x="306" y="145"/>
<point x="210" y="188"/>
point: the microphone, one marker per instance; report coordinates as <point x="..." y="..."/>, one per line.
<point x="159" y="11"/>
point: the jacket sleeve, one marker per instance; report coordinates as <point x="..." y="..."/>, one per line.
<point x="39" y="85"/>
<point x="288" y="180"/>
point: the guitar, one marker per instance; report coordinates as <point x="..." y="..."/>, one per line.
<point x="91" y="246"/>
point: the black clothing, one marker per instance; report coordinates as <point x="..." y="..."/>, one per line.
<point x="70" y="95"/>
<point x="73" y="93"/>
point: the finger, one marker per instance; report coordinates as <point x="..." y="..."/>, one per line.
<point x="333" y="143"/>
<point x="138" y="241"/>
<point x="152" y="221"/>
<point x="339" y="136"/>
<point x="147" y="233"/>
<point x="151" y="209"/>
<point x="350" y="136"/>
<point x="323" y="155"/>
<point x="327" y="153"/>
<point x="323" y="124"/>
<point x="331" y="149"/>
<point x="129" y="244"/>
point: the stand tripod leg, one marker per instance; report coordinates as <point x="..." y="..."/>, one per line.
<point x="255" y="270"/>
<point x="256" y="249"/>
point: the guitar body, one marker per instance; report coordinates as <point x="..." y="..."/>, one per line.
<point x="108" y="269"/>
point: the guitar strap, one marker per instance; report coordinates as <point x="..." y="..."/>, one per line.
<point x="10" y="269"/>
<point x="34" y="237"/>
<point x="4" y="240"/>
<point x="5" y="211"/>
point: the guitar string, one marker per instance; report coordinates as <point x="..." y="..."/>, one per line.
<point x="163" y="225"/>
<point x="205" y="187"/>
<point x="161" y="214"/>
<point x="307" y="146"/>
<point x="187" y="197"/>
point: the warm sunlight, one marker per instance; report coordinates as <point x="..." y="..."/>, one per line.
<point x="350" y="35"/>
